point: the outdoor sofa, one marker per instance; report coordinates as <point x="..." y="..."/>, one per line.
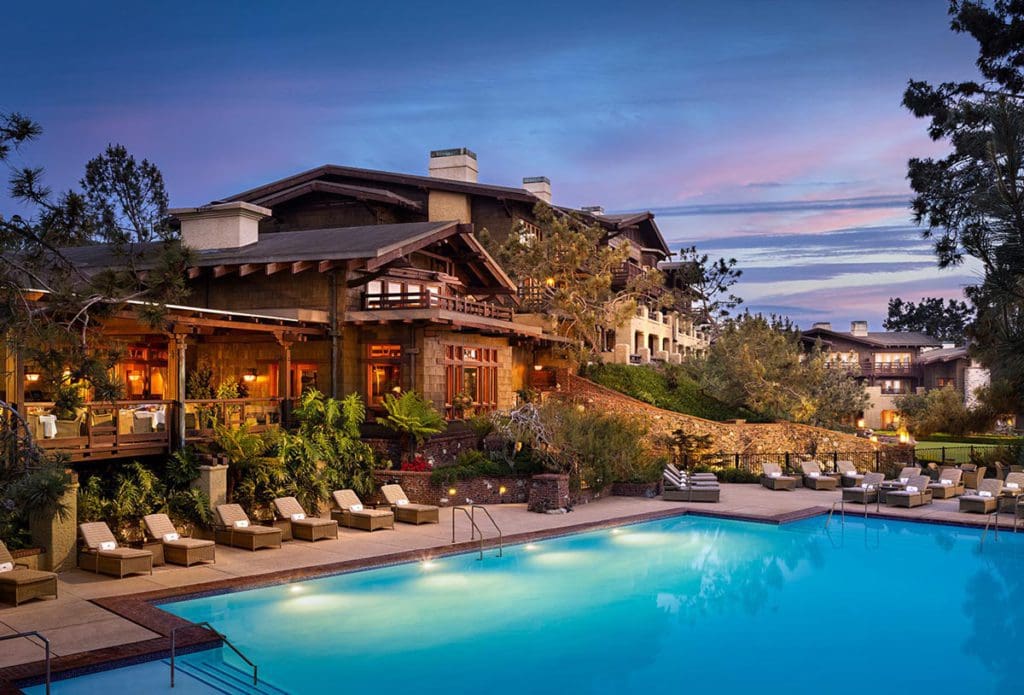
<point x="305" y="528"/>
<point x="679" y="487"/>
<point x="866" y="491"/>
<point x="408" y="512"/>
<point x="351" y="513"/>
<point x="178" y="549"/>
<point x="985" y="500"/>
<point x="914" y="494"/>
<point x="815" y="479"/>
<point x="233" y="528"/>
<point x="773" y="479"/>
<point x="18" y="583"/>
<point x="100" y="553"/>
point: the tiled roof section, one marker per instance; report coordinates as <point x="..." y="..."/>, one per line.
<point x="890" y="339"/>
<point x="944" y="355"/>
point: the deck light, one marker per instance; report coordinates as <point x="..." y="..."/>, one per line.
<point x="249" y="376"/>
<point x="501" y="490"/>
<point x="32" y="377"/>
<point x="451" y="492"/>
<point x="550" y="282"/>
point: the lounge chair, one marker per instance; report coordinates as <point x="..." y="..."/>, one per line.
<point x="815" y="479"/>
<point x="773" y="479"/>
<point x="949" y="484"/>
<point x="233" y="528"/>
<point x="899" y="482"/>
<point x="706" y="477"/>
<point x="973" y="475"/>
<point x="985" y="500"/>
<point x="1013" y="489"/>
<point x="683" y="488"/>
<point x="914" y="494"/>
<point x="19" y="584"/>
<point x="101" y="554"/>
<point x="351" y="513"/>
<point x="305" y="528"/>
<point x="850" y="476"/>
<point x="866" y="491"/>
<point x="178" y="550"/>
<point x="406" y="511"/>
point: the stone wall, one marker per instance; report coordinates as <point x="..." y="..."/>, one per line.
<point x="743" y="438"/>
<point x="487" y="490"/>
<point x="442" y="448"/>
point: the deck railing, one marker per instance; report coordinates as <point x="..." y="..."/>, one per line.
<point x="429" y="300"/>
<point x="115" y="428"/>
<point x="202" y="415"/>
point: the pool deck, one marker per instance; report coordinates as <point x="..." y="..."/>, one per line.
<point x="100" y="619"/>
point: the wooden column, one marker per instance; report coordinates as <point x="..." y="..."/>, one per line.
<point x="284" y="375"/>
<point x="14" y="378"/>
<point x="177" y="345"/>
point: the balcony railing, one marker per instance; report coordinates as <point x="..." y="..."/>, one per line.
<point x="257" y="414"/>
<point x="427" y="300"/>
<point x="626" y="272"/>
<point x="867" y="368"/>
<point x="102" y="430"/>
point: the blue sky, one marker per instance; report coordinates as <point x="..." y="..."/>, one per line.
<point x="767" y="131"/>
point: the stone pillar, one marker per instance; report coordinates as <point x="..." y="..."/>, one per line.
<point x="645" y="355"/>
<point x="57" y="536"/>
<point x="621" y="353"/>
<point x="213" y="480"/>
<point x="548" y="491"/>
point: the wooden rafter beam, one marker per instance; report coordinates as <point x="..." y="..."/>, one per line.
<point x="302" y="266"/>
<point x="276" y="267"/>
<point x="248" y="269"/>
<point x="220" y="271"/>
<point x="194" y="272"/>
<point x="325" y="266"/>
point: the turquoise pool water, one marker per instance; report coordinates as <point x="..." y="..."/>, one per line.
<point x="685" y="604"/>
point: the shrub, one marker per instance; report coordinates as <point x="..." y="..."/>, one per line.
<point x="418" y="464"/>
<point x="470" y="463"/>
<point x="413" y="417"/>
<point x="598" y="448"/>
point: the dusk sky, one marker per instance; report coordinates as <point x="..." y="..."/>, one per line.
<point x="768" y="131"/>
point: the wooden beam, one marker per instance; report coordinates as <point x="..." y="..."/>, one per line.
<point x="302" y="266"/>
<point x="325" y="266"/>
<point x="276" y="267"/>
<point x="220" y="271"/>
<point x="248" y="269"/>
<point x="194" y="272"/>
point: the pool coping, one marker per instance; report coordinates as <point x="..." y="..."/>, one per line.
<point x="144" y="609"/>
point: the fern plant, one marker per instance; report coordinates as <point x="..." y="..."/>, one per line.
<point x="413" y="417"/>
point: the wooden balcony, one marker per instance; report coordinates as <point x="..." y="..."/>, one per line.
<point x="428" y="300"/>
<point x="112" y="430"/>
<point x="624" y="274"/>
<point x="257" y="414"/>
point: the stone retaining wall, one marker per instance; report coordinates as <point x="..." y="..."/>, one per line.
<point x="486" y="490"/>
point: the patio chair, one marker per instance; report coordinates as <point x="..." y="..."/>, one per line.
<point x="949" y="484"/>
<point x="973" y="475"/>
<point x="101" y="554"/>
<point x="682" y="488"/>
<point x="985" y="500"/>
<point x="406" y="511"/>
<point x="304" y="528"/>
<point x="815" y="479"/>
<point x="850" y="476"/>
<point x="914" y="494"/>
<point x="773" y="479"/>
<point x="233" y="528"/>
<point x="18" y="583"/>
<point x="178" y="550"/>
<point x="351" y="513"/>
<point x="866" y="491"/>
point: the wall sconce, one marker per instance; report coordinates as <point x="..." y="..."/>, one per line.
<point x="32" y="377"/>
<point x="134" y="376"/>
<point x="860" y="423"/>
<point x="538" y="367"/>
<point x="249" y="376"/>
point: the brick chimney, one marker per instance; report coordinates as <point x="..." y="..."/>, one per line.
<point x="458" y="164"/>
<point x="823" y="325"/>
<point x="859" y="329"/>
<point x="220" y="225"/>
<point x="540" y="186"/>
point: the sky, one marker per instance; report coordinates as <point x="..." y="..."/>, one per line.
<point x="771" y="132"/>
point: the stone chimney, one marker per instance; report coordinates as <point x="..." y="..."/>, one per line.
<point x="823" y="325"/>
<point x="859" y="329"/>
<point x="220" y="225"/>
<point x="593" y="210"/>
<point x="457" y="164"/>
<point x="540" y="186"/>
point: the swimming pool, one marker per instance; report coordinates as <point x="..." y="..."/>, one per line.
<point x="686" y="603"/>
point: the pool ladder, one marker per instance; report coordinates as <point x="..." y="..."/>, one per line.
<point x="222" y="637"/>
<point x="470" y="512"/>
<point x="46" y="646"/>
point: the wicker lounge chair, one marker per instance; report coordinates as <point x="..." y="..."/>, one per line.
<point x="985" y="500"/>
<point x="973" y="475"/>
<point x="773" y="479"/>
<point x="304" y="528"/>
<point x="351" y="513"/>
<point x="233" y="528"/>
<point x="1013" y="489"/>
<point x="899" y="482"/>
<point x="914" y="494"/>
<point x="706" y="477"/>
<point x="177" y="549"/>
<point x="407" y="512"/>
<point x="20" y="584"/>
<point x="100" y="553"/>
<point x="866" y="491"/>
<point x="682" y="488"/>
<point x="950" y="484"/>
<point x="850" y="476"/>
<point x="815" y="479"/>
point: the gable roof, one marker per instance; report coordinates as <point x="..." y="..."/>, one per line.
<point x="883" y="339"/>
<point x="944" y="355"/>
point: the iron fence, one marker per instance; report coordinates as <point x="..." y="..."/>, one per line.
<point x="888" y="460"/>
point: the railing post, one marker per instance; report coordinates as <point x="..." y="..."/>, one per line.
<point x="737" y="463"/>
<point x="786" y="467"/>
<point x="878" y="460"/>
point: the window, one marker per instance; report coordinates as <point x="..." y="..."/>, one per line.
<point x="471" y="380"/>
<point x="893" y="386"/>
<point x="942" y="382"/>
<point x="383" y="372"/>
